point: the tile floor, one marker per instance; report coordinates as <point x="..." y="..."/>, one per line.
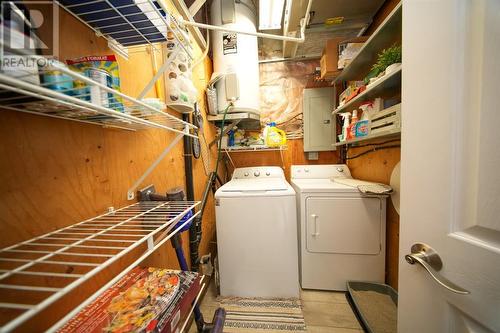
<point x="324" y="311"/>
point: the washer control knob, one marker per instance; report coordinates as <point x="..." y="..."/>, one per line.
<point x="306" y="170"/>
<point x="256" y="173"/>
<point x="268" y="173"/>
<point x="340" y="169"/>
<point x="246" y="174"/>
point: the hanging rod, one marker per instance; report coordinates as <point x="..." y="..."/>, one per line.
<point x="301" y="39"/>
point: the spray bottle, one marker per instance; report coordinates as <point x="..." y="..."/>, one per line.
<point x="346" y="118"/>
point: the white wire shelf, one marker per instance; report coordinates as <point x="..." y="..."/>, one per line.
<point x="237" y="149"/>
<point x="129" y="23"/>
<point x="50" y="266"/>
<point x="72" y="96"/>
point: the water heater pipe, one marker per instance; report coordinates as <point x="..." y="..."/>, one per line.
<point x="303" y="23"/>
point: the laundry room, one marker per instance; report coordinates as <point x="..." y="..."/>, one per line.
<point x="253" y="166"/>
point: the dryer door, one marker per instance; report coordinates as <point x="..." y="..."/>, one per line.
<point x="346" y="225"/>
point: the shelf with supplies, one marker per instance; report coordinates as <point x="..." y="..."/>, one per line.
<point x="389" y="83"/>
<point x="385" y="123"/>
<point x="384" y="134"/>
<point x="88" y="247"/>
<point x="386" y="35"/>
<point x="72" y="96"/>
<point x="244" y="120"/>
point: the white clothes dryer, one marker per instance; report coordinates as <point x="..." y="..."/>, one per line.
<point x="341" y="231"/>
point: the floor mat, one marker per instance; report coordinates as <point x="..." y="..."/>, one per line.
<point x="256" y="315"/>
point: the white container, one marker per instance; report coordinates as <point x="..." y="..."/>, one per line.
<point x="238" y="56"/>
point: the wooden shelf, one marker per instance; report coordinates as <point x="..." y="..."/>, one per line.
<point x="387" y="34"/>
<point x="386" y="134"/>
<point x="389" y="83"/>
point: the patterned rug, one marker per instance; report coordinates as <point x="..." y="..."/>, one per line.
<point x="256" y="315"/>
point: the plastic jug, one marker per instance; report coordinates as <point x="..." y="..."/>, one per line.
<point x="275" y="137"/>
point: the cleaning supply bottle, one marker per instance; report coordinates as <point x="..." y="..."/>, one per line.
<point x="351" y="130"/>
<point x="346" y="117"/>
<point x="362" y="127"/>
<point x="274" y="136"/>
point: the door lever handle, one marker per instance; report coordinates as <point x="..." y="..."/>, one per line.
<point x="431" y="262"/>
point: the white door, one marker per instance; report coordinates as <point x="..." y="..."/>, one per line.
<point x="450" y="174"/>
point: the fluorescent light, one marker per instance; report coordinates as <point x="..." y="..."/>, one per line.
<point x="270" y="14"/>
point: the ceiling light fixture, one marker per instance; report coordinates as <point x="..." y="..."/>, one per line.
<point x="270" y="14"/>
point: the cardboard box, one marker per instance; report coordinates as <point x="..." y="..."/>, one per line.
<point x="330" y="56"/>
<point x="153" y="311"/>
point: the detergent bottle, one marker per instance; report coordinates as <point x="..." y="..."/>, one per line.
<point x="351" y="130"/>
<point x="274" y="136"/>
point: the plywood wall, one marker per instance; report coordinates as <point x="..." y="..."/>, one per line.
<point x="378" y="167"/>
<point x="54" y="173"/>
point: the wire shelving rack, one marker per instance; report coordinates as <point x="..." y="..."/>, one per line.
<point x="82" y="249"/>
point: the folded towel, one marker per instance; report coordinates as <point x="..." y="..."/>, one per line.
<point x="364" y="186"/>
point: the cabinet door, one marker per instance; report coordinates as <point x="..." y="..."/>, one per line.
<point x="319" y="130"/>
<point x="344" y="225"/>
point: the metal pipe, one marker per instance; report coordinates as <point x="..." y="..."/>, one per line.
<point x="251" y="33"/>
<point x="303" y="23"/>
<point x="194" y="241"/>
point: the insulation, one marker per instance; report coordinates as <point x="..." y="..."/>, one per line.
<point x="281" y="87"/>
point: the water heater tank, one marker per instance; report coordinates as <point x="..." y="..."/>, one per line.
<point x="236" y="55"/>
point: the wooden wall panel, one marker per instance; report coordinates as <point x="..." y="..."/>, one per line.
<point x="54" y="173"/>
<point x="377" y="167"/>
<point x="293" y="155"/>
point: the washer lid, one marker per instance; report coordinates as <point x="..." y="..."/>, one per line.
<point x="254" y="185"/>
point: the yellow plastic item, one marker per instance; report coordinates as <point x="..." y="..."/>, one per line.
<point x="275" y="137"/>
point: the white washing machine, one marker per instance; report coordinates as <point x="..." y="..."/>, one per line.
<point x="342" y="233"/>
<point x="257" y="234"/>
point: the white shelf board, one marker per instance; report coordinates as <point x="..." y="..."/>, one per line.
<point x="387" y="83"/>
<point x="389" y="133"/>
<point x="245" y="120"/>
<point x="237" y="149"/>
<point x="387" y="34"/>
<point x="117" y="111"/>
<point x="86" y="248"/>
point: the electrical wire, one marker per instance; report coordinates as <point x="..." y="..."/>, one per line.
<point x="378" y="143"/>
<point x="372" y="150"/>
<point x="219" y="149"/>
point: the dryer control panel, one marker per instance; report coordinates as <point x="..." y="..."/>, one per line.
<point x="258" y="172"/>
<point x="325" y="171"/>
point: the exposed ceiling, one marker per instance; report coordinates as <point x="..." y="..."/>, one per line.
<point x="356" y="17"/>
